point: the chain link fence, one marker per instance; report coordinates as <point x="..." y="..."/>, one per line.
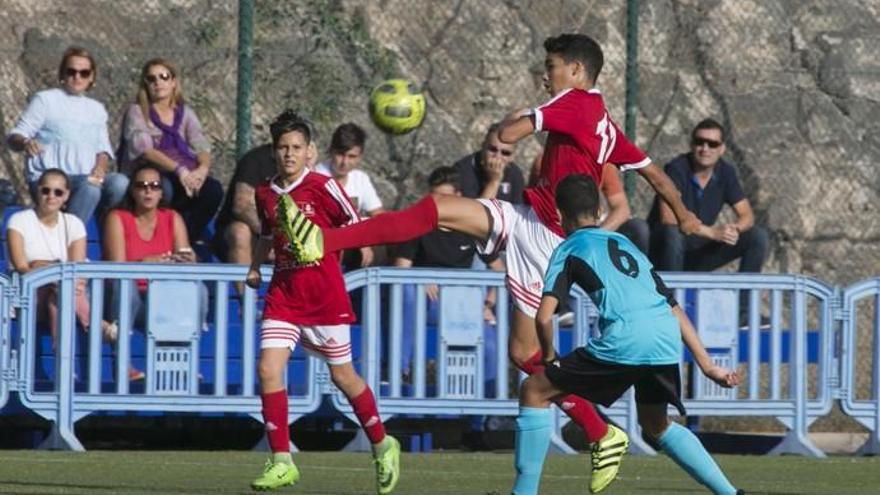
<point x="795" y="83"/>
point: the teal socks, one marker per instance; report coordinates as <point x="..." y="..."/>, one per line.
<point x="532" y="442"/>
<point x="686" y="450"/>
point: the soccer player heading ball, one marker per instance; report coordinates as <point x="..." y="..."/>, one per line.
<point x="307" y="303"/>
<point x="581" y="139"/>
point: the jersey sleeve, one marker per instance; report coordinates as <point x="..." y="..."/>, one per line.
<point x="75" y="228"/>
<point x="561" y="114"/>
<point x="339" y="207"/>
<point x="557" y="283"/>
<point x="624" y="154"/>
<point x="31" y="121"/>
<point x="663" y="290"/>
<point x="733" y="192"/>
<point x="370" y="199"/>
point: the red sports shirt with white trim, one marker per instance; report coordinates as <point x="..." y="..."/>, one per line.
<point x="312" y="294"/>
<point x="581" y="139"/>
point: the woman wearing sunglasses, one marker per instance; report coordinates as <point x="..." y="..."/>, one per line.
<point x="161" y="129"/>
<point x="65" y="129"/>
<point x="144" y="230"/>
<point x="43" y="235"/>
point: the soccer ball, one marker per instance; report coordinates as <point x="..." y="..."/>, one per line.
<point x="397" y="106"/>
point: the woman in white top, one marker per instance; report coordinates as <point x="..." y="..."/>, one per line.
<point x="65" y="129"/>
<point x="43" y="235"/>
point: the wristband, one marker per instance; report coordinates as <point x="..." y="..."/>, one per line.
<point x="179" y="169"/>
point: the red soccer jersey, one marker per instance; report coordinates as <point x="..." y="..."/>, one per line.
<point x="311" y="294"/>
<point x="581" y="139"/>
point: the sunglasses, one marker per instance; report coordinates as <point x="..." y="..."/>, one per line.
<point x="83" y="73"/>
<point x="697" y="142"/>
<point x="152" y="185"/>
<point x="46" y="191"/>
<point x="494" y="149"/>
<point x="154" y="78"/>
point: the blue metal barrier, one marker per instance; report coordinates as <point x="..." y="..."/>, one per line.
<point x="802" y="305"/>
<point x="7" y="365"/>
<point x="865" y="410"/>
<point x="794" y="383"/>
<point x="419" y="397"/>
<point x="67" y="402"/>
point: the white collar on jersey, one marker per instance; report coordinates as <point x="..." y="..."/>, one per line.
<point x="284" y="190"/>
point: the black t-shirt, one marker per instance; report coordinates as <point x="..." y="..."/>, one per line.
<point x="255" y="167"/>
<point x="723" y="187"/>
<point x="438" y="248"/>
<point x="473" y="180"/>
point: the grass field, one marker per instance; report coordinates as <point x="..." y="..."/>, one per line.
<point x="136" y="472"/>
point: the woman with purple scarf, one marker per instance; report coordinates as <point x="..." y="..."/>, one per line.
<point x="161" y="129"/>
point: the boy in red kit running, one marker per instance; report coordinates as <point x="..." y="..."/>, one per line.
<point x="307" y="303"/>
<point x="581" y="139"/>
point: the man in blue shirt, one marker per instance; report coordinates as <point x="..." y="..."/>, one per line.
<point x="641" y="329"/>
<point x="707" y="182"/>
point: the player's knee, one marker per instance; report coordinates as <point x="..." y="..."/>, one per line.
<point x="653" y="427"/>
<point x="534" y="391"/>
<point x="343" y="376"/>
<point x="267" y="370"/>
<point x="521" y="357"/>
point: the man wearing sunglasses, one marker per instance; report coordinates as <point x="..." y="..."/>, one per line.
<point x="490" y="173"/>
<point x="707" y="182"/>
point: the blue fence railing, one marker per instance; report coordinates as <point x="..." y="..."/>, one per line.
<point x="864" y="344"/>
<point x="197" y="340"/>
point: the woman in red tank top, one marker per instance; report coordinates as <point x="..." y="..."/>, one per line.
<point x="144" y="230"/>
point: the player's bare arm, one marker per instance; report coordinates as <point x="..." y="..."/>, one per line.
<point x="244" y="207"/>
<point x="724" y="377"/>
<point x="618" y="211"/>
<point x="516" y="126"/>
<point x="688" y="223"/>
<point x="544" y="324"/>
<point x="261" y="252"/>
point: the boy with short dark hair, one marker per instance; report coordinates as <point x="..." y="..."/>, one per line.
<point x="641" y="329"/>
<point x="307" y="303"/>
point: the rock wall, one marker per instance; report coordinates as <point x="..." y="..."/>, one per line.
<point x="795" y="82"/>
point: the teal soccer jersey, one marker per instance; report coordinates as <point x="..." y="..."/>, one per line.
<point x="635" y="319"/>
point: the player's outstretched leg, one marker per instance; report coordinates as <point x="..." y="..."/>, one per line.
<point x="683" y="447"/>
<point x="386" y="449"/>
<point x="310" y="244"/>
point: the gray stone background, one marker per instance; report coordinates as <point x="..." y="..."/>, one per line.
<point x="796" y="82"/>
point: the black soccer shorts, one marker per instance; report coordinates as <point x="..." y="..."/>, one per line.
<point x="603" y="383"/>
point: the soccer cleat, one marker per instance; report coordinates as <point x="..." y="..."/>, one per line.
<point x="605" y="458"/>
<point x="305" y="238"/>
<point x="388" y="468"/>
<point x="275" y="475"/>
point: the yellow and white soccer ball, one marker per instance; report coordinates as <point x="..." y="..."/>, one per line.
<point x="397" y="106"/>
